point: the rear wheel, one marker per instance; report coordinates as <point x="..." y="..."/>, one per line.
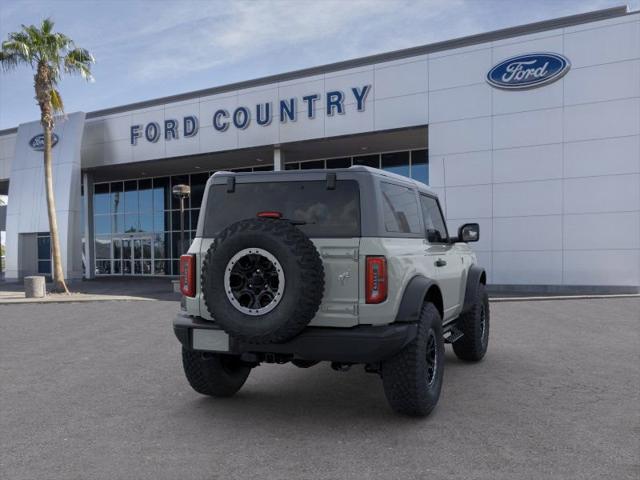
<point x="475" y="328"/>
<point x="412" y="379"/>
<point x="214" y="374"/>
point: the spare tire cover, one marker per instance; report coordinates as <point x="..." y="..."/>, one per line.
<point x="262" y="280"/>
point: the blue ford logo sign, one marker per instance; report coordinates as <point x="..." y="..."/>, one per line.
<point x="528" y="71"/>
<point x="37" y="142"/>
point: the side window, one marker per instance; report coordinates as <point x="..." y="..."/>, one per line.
<point x="401" y="213"/>
<point x="435" y="226"/>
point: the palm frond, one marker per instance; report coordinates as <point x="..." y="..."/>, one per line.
<point x="47" y="26"/>
<point x="9" y="61"/>
<point x="56" y="101"/>
<point x="79" y="61"/>
<point x="19" y="47"/>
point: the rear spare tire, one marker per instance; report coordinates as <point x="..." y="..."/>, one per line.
<point x="262" y="280"/>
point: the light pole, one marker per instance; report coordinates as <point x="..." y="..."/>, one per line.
<point x="182" y="192"/>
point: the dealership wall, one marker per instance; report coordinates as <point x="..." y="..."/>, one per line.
<point x="552" y="173"/>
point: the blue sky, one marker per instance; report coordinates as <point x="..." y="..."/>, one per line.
<point x="149" y="49"/>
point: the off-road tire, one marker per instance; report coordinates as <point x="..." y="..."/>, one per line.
<point x="473" y="344"/>
<point x="214" y="374"/>
<point x="303" y="272"/>
<point x="405" y="376"/>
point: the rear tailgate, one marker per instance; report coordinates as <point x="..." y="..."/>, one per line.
<point x="339" y="306"/>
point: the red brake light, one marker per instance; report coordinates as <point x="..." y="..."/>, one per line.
<point x="270" y="214"/>
<point x="188" y="275"/>
<point x="376" y="280"/>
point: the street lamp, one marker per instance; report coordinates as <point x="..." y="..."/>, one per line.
<point x="182" y="192"/>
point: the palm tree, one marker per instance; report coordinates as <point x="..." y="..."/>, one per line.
<point x="50" y="55"/>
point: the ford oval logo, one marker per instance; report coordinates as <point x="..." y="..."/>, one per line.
<point x="37" y="142"/>
<point x="528" y="71"/>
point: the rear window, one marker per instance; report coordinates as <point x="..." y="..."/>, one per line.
<point x="325" y="213"/>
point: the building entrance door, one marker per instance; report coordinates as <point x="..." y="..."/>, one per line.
<point x="133" y="256"/>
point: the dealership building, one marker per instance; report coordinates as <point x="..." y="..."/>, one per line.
<point x="531" y="131"/>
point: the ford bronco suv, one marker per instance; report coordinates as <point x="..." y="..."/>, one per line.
<point x="350" y="266"/>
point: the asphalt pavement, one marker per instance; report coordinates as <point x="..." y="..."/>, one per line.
<point x="96" y="391"/>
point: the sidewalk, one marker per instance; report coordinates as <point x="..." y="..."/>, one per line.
<point x="103" y="289"/>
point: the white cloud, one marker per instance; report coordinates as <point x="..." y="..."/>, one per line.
<point x="194" y="37"/>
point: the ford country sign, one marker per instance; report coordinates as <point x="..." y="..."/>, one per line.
<point x="528" y="71"/>
<point x="37" y="142"/>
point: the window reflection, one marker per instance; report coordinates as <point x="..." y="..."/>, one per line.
<point x="420" y="166"/>
<point x="397" y="162"/>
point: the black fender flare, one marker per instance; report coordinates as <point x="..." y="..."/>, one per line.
<point x="475" y="277"/>
<point x="413" y="298"/>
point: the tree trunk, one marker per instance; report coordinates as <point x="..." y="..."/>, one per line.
<point x="59" y="284"/>
<point x="43" y="85"/>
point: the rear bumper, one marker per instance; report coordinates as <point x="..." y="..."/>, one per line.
<point x="361" y="344"/>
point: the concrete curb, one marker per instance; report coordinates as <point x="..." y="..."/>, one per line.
<point x="561" y="297"/>
<point x="73" y="299"/>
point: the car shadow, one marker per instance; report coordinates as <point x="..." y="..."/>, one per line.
<point x="316" y="397"/>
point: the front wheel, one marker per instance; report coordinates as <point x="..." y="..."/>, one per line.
<point x="475" y="328"/>
<point x="214" y="374"/>
<point x="412" y="379"/>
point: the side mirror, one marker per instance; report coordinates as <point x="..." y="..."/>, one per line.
<point x="469" y="232"/>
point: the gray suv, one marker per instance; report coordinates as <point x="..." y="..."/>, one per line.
<point x="351" y="266"/>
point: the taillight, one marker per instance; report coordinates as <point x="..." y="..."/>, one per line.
<point x="376" y="280"/>
<point x="188" y="275"/>
<point x="269" y="215"/>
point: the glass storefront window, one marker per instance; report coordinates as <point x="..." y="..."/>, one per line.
<point x="44" y="247"/>
<point x="367" y="161"/>
<point x="131" y="223"/>
<point x="161" y="267"/>
<point x="44" y="253"/>
<point x="102" y="224"/>
<point x="103" y="267"/>
<point x="198" y="182"/>
<point x="117" y="198"/>
<point x="397" y="162"/>
<point x="103" y="247"/>
<point x="161" y="194"/>
<point x="144" y="209"/>
<point x="145" y="195"/>
<point x="131" y="203"/>
<point x="146" y="222"/>
<point x="312" y="165"/>
<point x="194" y="218"/>
<point x="117" y="248"/>
<point x="339" y="162"/>
<point x="101" y="198"/>
<point x="160" y="249"/>
<point x="160" y="222"/>
<point x="420" y="165"/>
<point x="117" y="223"/>
<point x="175" y="220"/>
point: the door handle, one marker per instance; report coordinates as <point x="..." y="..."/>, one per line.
<point x="440" y="263"/>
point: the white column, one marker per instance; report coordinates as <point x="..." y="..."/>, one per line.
<point x="89" y="263"/>
<point x="278" y="159"/>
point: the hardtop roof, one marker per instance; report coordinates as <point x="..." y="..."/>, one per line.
<point x="314" y="174"/>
